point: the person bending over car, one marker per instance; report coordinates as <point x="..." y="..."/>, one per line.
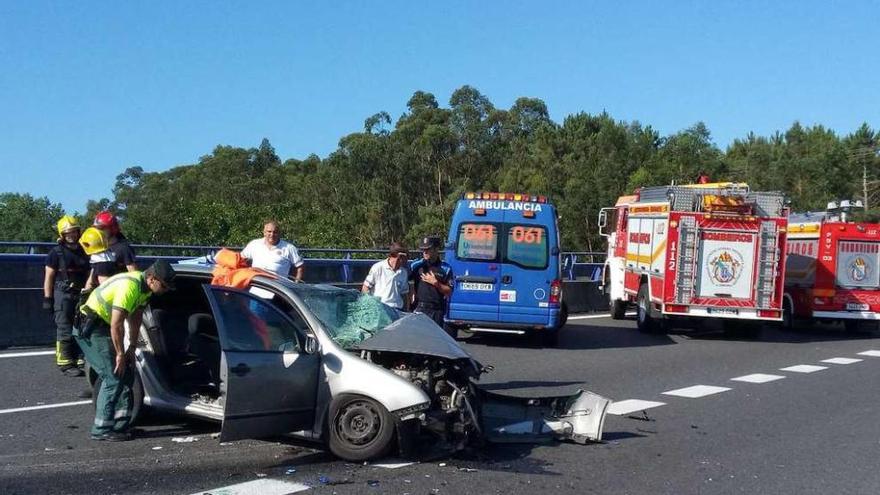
<point x="100" y="333"/>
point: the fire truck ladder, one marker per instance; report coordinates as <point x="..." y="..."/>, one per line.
<point x="768" y="260"/>
<point x="685" y="279"/>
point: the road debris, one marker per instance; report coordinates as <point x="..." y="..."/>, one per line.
<point x="157" y="447"/>
<point x="290" y="470"/>
<point x="184" y="439"/>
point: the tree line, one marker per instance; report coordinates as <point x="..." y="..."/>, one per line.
<point x="399" y="180"/>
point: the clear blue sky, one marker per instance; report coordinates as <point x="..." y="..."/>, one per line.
<point x="88" y="89"/>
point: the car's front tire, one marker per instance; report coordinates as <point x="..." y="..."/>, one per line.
<point x="361" y="429"/>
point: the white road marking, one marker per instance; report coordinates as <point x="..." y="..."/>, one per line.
<point x="590" y="317"/>
<point x="391" y="463"/>
<point x="841" y="360"/>
<point x="757" y="378"/>
<point x="263" y="486"/>
<point x="871" y="353"/>
<point x="45" y="406"/>
<point x="696" y="391"/>
<point x="631" y="405"/>
<point x="26" y="354"/>
<point x="804" y="368"/>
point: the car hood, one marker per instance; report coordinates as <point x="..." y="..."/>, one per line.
<point x="414" y="334"/>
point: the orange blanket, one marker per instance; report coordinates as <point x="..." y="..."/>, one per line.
<point x="231" y="270"/>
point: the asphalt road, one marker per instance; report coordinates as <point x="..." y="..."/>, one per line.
<point x="803" y="433"/>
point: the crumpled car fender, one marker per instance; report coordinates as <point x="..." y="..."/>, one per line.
<point x="349" y="374"/>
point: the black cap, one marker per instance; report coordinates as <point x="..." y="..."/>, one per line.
<point x="162" y="270"/>
<point x="430" y="242"/>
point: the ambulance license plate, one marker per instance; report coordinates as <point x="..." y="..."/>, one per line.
<point x="857" y="307"/>
<point x="723" y="311"/>
<point x="478" y="286"/>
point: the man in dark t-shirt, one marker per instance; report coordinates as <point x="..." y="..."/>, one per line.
<point x="67" y="268"/>
<point x="432" y="281"/>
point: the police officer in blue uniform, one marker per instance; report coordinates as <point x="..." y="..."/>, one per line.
<point x="432" y="281"/>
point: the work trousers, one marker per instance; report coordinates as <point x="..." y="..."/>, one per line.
<point x="67" y="352"/>
<point x="114" y="400"/>
<point x="433" y="313"/>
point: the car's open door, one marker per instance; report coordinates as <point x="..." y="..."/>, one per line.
<point x="268" y="381"/>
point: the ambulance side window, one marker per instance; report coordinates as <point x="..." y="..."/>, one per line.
<point x="477" y="241"/>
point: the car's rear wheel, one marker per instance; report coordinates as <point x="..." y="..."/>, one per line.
<point x="360" y="429"/>
<point x="137" y="396"/>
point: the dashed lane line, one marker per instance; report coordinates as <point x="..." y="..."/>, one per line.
<point x="871" y="353"/>
<point x="265" y="486"/>
<point x="841" y="360"/>
<point x="45" y="406"/>
<point x="26" y="354"/>
<point x="804" y="368"/>
<point x="696" y="391"/>
<point x="757" y="378"/>
<point x="623" y="407"/>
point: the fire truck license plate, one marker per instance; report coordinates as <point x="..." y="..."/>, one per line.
<point x="857" y="307"/>
<point x="476" y="286"/>
<point x="723" y="311"/>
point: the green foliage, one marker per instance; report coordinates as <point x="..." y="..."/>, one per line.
<point x="399" y="180"/>
<point x="25" y="218"/>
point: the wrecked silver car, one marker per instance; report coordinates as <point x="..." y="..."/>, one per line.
<point x="331" y="365"/>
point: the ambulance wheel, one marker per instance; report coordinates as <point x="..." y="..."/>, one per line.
<point x="618" y="309"/>
<point x="645" y="321"/>
<point x="137" y="397"/>
<point x="563" y="317"/>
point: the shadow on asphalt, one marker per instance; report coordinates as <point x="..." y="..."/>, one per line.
<point x="519" y="384"/>
<point x="803" y="334"/>
<point x="577" y="337"/>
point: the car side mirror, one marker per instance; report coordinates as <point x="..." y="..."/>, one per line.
<point x="312" y="346"/>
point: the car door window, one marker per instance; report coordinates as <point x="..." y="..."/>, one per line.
<point x="253" y="324"/>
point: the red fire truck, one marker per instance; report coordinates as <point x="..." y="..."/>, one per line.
<point x="833" y="270"/>
<point x="705" y="250"/>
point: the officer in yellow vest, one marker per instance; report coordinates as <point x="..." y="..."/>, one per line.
<point x="101" y="335"/>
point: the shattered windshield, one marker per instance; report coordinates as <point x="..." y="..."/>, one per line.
<point x="348" y="315"/>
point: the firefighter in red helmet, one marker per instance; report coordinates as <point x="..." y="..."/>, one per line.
<point x="118" y="258"/>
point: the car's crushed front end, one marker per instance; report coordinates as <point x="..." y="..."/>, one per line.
<point x="460" y="412"/>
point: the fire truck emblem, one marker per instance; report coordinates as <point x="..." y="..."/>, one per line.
<point x="858" y="270"/>
<point x="725" y="266"/>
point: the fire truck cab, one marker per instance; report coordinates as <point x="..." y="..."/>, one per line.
<point x="705" y="250"/>
<point x="833" y="270"/>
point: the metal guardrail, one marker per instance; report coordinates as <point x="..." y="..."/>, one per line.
<point x="349" y="262"/>
<point x="21" y="277"/>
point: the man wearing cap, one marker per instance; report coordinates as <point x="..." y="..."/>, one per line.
<point x="432" y="281"/>
<point x="389" y="280"/>
<point x="100" y="333"/>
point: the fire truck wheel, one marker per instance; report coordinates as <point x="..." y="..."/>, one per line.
<point x="787" y="316"/>
<point x="618" y="309"/>
<point x="645" y="321"/>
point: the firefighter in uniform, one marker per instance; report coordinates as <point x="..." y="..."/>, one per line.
<point x="100" y="333"/>
<point x="67" y="268"/>
<point x="431" y="279"/>
<point x="118" y="257"/>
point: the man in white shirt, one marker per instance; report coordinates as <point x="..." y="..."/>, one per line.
<point x="389" y="279"/>
<point x="272" y="254"/>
